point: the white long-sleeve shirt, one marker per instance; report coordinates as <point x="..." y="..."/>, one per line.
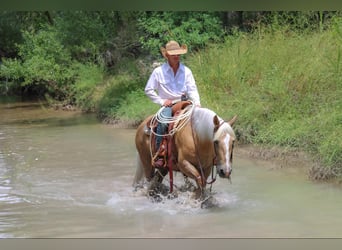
<point x="163" y="84"/>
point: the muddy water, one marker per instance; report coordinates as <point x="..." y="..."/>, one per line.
<point x="63" y="174"/>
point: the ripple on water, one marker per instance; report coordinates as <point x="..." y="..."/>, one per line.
<point x="6" y="195"/>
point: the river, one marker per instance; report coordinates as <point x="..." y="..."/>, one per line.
<point x="66" y="175"/>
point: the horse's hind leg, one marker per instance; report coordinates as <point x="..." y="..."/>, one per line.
<point x="139" y="174"/>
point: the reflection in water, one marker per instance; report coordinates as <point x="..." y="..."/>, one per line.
<point x="63" y="174"/>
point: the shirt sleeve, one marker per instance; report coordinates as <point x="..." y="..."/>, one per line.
<point x="192" y="88"/>
<point x="151" y="87"/>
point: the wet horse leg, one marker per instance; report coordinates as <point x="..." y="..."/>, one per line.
<point x="189" y="170"/>
<point x="155" y="188"/>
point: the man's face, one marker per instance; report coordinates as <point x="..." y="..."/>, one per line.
<point x="173" y="59"/>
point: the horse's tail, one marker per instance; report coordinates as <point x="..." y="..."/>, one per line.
<point x="139" y="173"/>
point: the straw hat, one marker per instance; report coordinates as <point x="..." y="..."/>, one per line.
<point x="173" y="48"/>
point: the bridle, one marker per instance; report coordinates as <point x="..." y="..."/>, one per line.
<point x="213" y="178"/>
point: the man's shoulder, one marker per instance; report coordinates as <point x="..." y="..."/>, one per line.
<point x="161" y="67"/>
<point x="185" y="68"/>
<point x="157" y="69"/>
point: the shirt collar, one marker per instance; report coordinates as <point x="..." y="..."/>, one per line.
<point x="168" y="67"/>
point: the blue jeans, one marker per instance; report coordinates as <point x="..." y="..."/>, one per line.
<point x="162" y="127"/>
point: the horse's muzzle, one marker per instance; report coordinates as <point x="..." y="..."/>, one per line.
<point x="225" y="174"/>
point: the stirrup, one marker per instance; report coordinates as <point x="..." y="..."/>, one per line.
<point x="159" y="163"/>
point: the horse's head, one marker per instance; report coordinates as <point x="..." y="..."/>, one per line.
<point x="224" y="138"/>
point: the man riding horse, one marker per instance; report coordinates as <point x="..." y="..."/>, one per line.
<point x="168" y="83"/>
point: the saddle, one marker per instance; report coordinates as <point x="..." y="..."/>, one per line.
<point x="166" y="150"/>
<point x="167" y="143"/>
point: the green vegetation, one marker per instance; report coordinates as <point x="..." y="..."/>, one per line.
<point x="284" y="85"/>
<point x="280" y="72"/>
<point x="195" y="29"/>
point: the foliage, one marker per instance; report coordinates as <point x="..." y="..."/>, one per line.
<point x="115" y="93"/>
<point x="50" y="51"/>
<point x="89" y="78"/>
<point x="42" y="61"/>
<point x="196" y="29"/>
<point x="131" y="107"/>
<point x="11" y="25"/>
<point x="9" y="33"/>
<point x="98" y="37"/>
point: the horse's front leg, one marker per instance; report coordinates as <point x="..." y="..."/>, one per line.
<point x="155" y="184"/>
<point x="189" y="170"/>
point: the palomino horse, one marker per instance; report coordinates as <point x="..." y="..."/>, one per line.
<point x="204" y="141"/>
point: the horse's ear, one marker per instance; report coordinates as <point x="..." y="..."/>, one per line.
<point x="233" y="120"/>
<point x="216" y="123"/>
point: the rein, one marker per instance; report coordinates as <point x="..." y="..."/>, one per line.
<point x="213" y="179"/>
<point x="175" y="123"/>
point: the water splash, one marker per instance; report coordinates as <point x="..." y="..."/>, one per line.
<point x="181" y="201"/>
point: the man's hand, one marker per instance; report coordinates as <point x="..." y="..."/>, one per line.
<point x="167" y="103"/>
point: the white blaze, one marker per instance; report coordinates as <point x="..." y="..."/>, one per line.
<point x="226" y="142"/>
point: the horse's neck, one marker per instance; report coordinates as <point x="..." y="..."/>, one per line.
<point x="203" y="123"/>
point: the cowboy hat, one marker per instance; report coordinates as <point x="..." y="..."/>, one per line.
<point x="173" y="48"/>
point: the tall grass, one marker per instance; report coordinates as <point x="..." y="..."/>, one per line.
<point x="285" y="87"/>
<point x="89" y="77"/>
<point x="122" y="96"/>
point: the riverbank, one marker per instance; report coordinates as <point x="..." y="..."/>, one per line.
<point x="281" y="157"/>
<point x="291" y="158"/>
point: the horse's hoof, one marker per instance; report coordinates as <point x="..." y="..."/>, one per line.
<point x="137" y="187"/>
<point x="209" y="202"/>
<point x="154" y="197"/>
<point x="172" y="195"/>
<point x="197" y="194"/>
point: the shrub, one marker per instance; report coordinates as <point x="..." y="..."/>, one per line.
<point x="42" y="61"/>
<point x="196" y="29"/>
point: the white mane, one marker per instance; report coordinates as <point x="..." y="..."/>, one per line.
<point x="204" y="126"/>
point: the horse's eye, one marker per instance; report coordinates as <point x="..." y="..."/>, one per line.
<point x="216" y="142"/>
